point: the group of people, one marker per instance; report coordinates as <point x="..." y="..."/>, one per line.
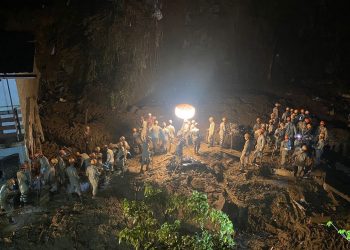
<point x="293" y="134"/>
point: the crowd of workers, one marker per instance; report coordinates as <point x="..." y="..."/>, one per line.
<point x="291" y="134"/>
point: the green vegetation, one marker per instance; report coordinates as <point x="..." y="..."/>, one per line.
<point x="344" y="233"/>
<point x="163" y="221"/>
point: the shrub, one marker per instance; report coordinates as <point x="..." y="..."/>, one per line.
<point x="163" y="221"/>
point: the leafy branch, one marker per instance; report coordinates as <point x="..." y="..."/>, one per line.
<point x="163" y="221"/>
<point x="344" y="233"/>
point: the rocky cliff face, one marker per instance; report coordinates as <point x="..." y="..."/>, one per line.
<point x="97" y="58"/>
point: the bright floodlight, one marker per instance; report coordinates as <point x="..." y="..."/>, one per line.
<point x="185" y="111"/>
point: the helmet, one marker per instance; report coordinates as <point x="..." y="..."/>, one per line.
<point x="304" y="148"/>
<point x="246" y="136"/>
<point x="134" y="130"/>
<point x="122" y="138"/>
<point x="287" y="108"/>
<point x="97" y="149"/>
<point x="54" y="161"/>
<point x="286" y="137"/>
<point x="170" y="121"/>
<point x="71" y="160"/>
<point x="93" y="162"/>
<point x="322" y="123"/>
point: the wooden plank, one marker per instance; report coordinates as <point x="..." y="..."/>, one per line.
<point x="9" y="135"/>
<point x="328" y="187"/>
<point x="7" y="127"/>
<point x="232" y="152"/>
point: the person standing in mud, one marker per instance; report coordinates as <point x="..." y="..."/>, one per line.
<point x="300" y="161"/>
<point x="211" y="132"/>
<point x="93" y="176"/>
<point x="247" y="149"/>
<point x="257" y="126"/>
<point x="23" y="184"/>
<point x="322" y="130"/>
<point x="285" y="150"/>
<point x="145" y="155"/>
<point x="276" y="111"/>
<point x="172" y="134"/>
<point x="319" y="149"/>
<point x="144" y="129"/>
<point x="61" y="168"/>
<point x="5" y="190"/>
<point x="136" y="141"/>
<point x="259" y="148"/>
<point x="154" y="132"/>
<point x="196" y="138"/>
<point x="74" y="186"/>
<point x="223" y="131"/>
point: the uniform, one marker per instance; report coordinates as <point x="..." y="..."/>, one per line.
<point x="211" y="132"/>
<point x="285" y="150"/>
<point x="223" y="132"/>
<point x="93" y="176"/>
<point x="319" y="151"/>
<point x="196" y="139"/>
<point x="260" y="144"/>
<point x="23" y="186"/>
<point x="74" y="186"/>
<point x="247" y="149"/>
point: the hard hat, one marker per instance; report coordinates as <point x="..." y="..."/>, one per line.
<point x="54" y="161"/>
<point x="122" y="138"/>
<point x="134" y="130"/>
<point x="93" y="162"/>
<point x="97" y="149"/>
<point x="286" y="137"/>
<point x="322" y="123"/>
<point x="304" y="148"/>
<point x="71" y="160"/>
<point x="224" y="119"/>
<point x="287" y="108"/>
<point x="170" y="121"/>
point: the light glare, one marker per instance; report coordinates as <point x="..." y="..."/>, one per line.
<point x="185" y="111"/>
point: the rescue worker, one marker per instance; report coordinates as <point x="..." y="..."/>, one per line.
<point x="196" y="138"/>
<point x="74" y="186"/>
<point x="154" y="133"/>
<point x="285" y="115"/>
<point x="109" y="164"/>
<point x="257" y="126"/>
<point x="223" y="131"/>
<point x="276" y="111"/>
<point x="259" y="148"/>
<point x="179" y="150"/>
<point x="52" y="180"/>
<point x="150" y="121"/>
<point x="136" y="141"/>
<point x="84" y="160"/>
<point x="211" y="132"/>
<point x="122" y="154"/>
<point x="307" y="134"/>
<point x="172" y="134"/>
<point x="285" y="150"/>
<point x="185" y="132"/>
<point x="5" y="189"/>
<point x="23" y="184"/>
<point x="279" y="135"/>
<point x="44" y="167"/>
<point x="28" y="171"/>
<point x="291" y="130"/>
<point x="322" y="130"/>
<point x="144" y="129"/>
<point x="165" y="134"/>
<point x="93" y="175"/>
<point x="319" y="149"/>
<point x="145" y="155"/>
<point x="61" y="167"/>
<point x="98" y="153"/>
<point x="300" y="161"/>
<point x="247" y="149"/>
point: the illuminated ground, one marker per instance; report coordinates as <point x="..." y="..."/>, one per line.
<point x="266" y="210"/>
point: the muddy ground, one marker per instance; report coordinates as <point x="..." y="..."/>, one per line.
<point x="269" y="212"/>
